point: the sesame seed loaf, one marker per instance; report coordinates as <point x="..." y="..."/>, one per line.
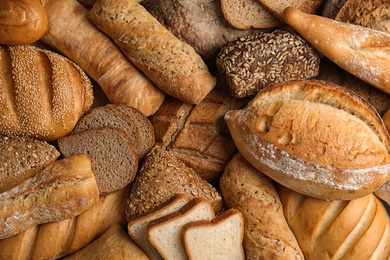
<point x="62" y="190"/>
<point x="21" y="158"/>
<point x="162" y="175"/>
<point x="198" y="135"/>
<point x="334" y="145"/>
<point x="42" y="94"/>
<point x="114" y="158"/>
<point x="250" y="63"/>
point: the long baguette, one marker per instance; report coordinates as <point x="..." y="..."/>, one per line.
<point x="72" y="33"/>
<point x="170" y="63"/>
<point x="362" y="51"/>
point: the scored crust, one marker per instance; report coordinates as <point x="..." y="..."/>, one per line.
<point x="314" y="137"/>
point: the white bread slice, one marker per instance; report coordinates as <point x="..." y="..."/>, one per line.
<point x="221" y="238"/>
<point x="137" y="227"/>
<point x="165" y="233"/>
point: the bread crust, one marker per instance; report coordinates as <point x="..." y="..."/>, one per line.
<point x="314" y="152"/>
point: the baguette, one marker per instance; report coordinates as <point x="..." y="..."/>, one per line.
<point x="62" y="190"/>
<point x="314" y="152"/>
<point x="80" y="40"/>
<point x="362" y="51"/>
<point x="22" y="21"/>
<point x="42" y="94"/>
<point x="69" y="235"/>
<point x="170" y="63"/>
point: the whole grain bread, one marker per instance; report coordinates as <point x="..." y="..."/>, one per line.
<point x="21" y="158"/>
<point x="162" y="175"/>
<point x="114" y="158"/>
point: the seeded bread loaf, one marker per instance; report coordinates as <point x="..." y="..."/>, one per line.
<point x="62" y="190"/>
<point x="43" y="94"/>
<point x="356" y="229"/>
<point x="170" y="63"/>
<point x="162" y="175"/>
<point x="198" y="135"/>
<point x="22" y="21"/>
<point x="114" y="158"/>
<point x="57" y="239"/>
<point x="250" y="63"/>
<point x="266" y="231"/>
<point x="21" y="158"/>
<point x="99" y="56"/>
<point x="315" y="151"/>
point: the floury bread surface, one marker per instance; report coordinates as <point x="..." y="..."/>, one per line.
<point x="315" y="138"/>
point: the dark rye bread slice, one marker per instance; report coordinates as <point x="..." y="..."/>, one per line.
<point x="114" y="158"/>
<point x="21" y="158"/>
<point x="105" y="116"/>
<point x="146" y="131"/>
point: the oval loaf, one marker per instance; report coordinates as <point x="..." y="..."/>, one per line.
<point x="315" y="138"/>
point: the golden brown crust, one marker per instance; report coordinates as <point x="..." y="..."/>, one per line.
<point x="22" y="21"/>
<point x="299" y="134"/>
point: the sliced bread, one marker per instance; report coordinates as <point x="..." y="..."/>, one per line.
<point x="104" y="116"/>
<point x="114" y="158"/>
<point x="144" y="126"/>
<point x="247" y="14"/>
<point x="165" y="233"/>
<point x="218" y="239"/>
<point x="21" y="158"/>
<point x="137" y="227"/>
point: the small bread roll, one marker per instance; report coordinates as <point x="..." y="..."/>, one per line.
<point x="314" y="137"/>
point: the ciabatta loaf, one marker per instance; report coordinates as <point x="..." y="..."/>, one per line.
<point x="362" y="51"/>
<point x="356" y="229"/>
<point x="22" y="21"/>
<point x="42" y="94"/>
<point x="21" y="158"/>
<point x="62" y="190"/>
<point x="80" y="40"/>
<point x="170" y="63"/>
<point x="266" y="231"/>
<point x="315" y="138"/>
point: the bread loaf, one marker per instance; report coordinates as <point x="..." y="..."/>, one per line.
<point x="362" y="51"/>
<point x="314" y="152"/>
<point x="99" y="56"/>
<point x="250" y="63"/>
<point x="356" y="229"/>
<point x="21" y="158"/>
<point x="170" y="63"/>
<point x="21" y="21"/>
<point x="62" y="190"/>
<point x="332" y="7"/>
<point x="42" y="94"/>
<point x="266" y="232"/>
<point x="57" y="239"/>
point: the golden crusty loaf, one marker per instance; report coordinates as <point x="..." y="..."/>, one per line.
<point x="21" y="158"/>
<point x="266" y="232"/>
<point x="67" y="236"/>
<point x="21" y="21"/>
<point x="62" y="190"/>
<point x="80" y="40"/>
<point x="356" y="229"/>
<point x="314" y="137"/>
<point x="362" y="51"/>
<point x="170" y="63"/>
<point x="198" y="135"/>
<point x="42" y="94"/>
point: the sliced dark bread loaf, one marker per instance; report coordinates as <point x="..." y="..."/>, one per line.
<point x="145" y="127"/>
<point x="104" y="116"/>
<point x="21" y="158"/>
<point x="114" y="158"/>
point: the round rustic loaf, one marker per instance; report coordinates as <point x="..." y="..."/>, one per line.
<point x="250" y="63"/>
<point x="314" y="137"/>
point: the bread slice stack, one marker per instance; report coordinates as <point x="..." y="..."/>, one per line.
<point x="116" y="137"/>
<point x="182" y="226"/>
